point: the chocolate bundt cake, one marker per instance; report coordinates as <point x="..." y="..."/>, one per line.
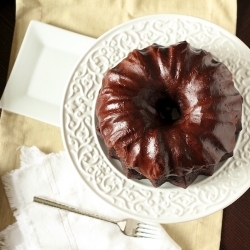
<point x="169" y="114"/>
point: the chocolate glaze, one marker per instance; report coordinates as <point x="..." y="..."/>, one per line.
<point x="169" y="113"/>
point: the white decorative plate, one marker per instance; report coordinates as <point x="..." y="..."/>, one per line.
<point x="166" y="204"/>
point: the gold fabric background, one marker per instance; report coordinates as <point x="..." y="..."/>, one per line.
<point x="93" y="18"/>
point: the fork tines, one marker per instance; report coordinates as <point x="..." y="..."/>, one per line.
<point x="147" y="230"/>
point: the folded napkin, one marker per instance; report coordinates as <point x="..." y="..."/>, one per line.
<point x="42" y="227"/>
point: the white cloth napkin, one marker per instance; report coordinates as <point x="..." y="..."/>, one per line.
<point x="42" y="227"/>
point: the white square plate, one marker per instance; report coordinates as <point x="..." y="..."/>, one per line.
<point x="41" y="71"/>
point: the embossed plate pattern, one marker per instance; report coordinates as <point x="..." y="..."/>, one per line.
<point x="167" y="204"/>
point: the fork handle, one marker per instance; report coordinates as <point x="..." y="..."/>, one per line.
<point x="69" y="208"/>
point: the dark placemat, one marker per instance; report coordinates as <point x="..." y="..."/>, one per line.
<point x="236" y="218"/>
<point x="7" y="22"/>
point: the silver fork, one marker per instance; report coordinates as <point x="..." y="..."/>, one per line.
<point x="129" y="227"/>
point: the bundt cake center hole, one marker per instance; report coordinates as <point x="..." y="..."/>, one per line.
<point x="168" y="110"/>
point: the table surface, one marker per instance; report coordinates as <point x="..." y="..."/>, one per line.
<point x="236" y="217"/>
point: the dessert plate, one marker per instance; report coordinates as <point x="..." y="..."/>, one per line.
<point x="166" y="204"/>
<point x="40" y="73"/>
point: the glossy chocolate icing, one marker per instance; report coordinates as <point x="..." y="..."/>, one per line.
<point x="169" y="113"/>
